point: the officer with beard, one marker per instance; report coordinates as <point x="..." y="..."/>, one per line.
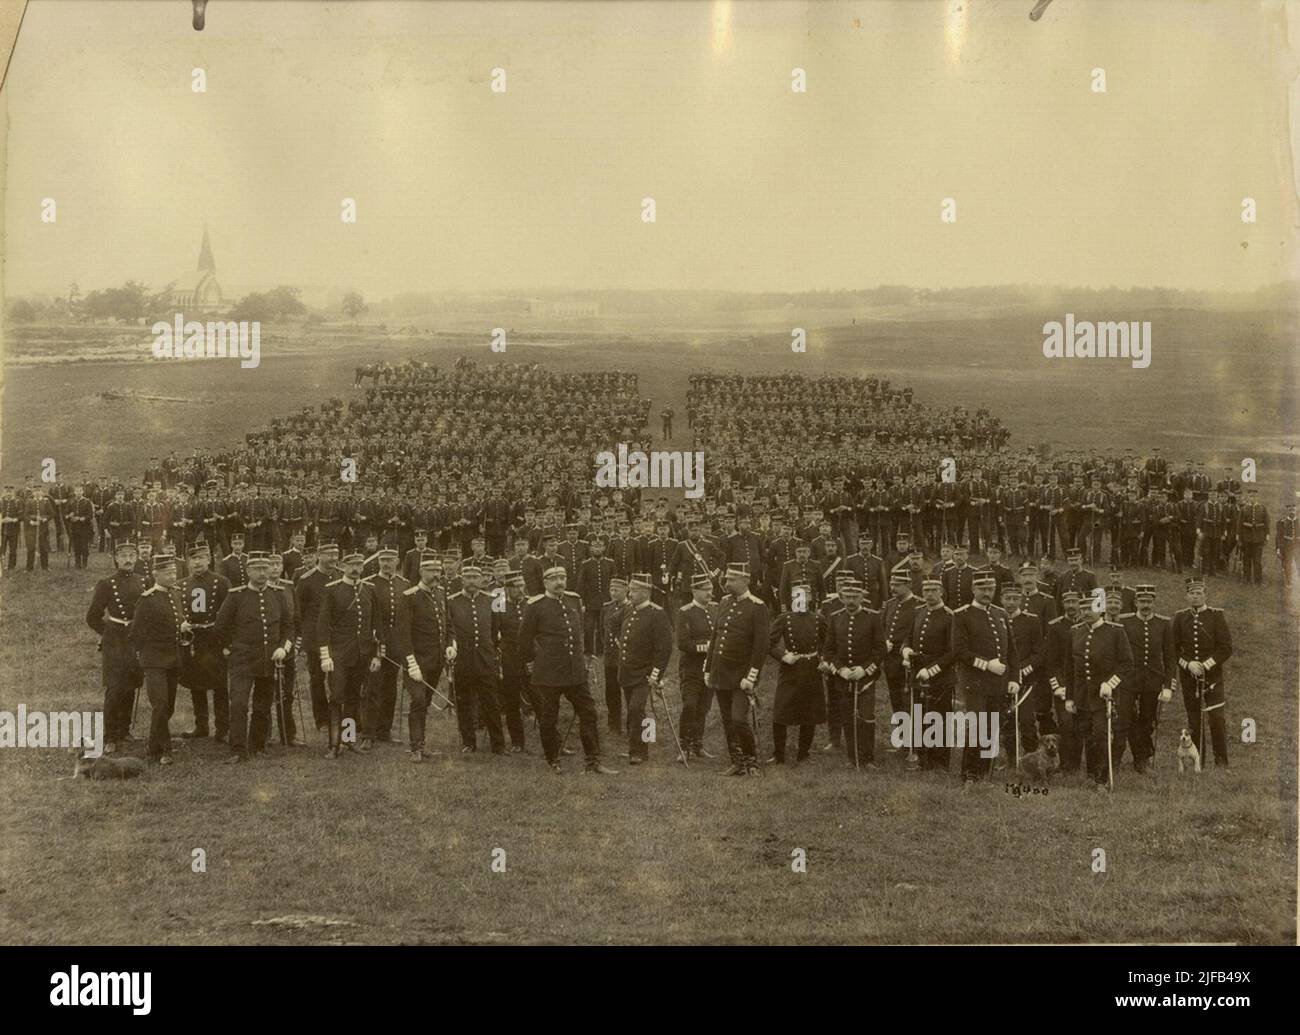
<point x="203" y="667"/>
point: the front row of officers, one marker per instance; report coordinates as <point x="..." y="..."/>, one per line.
<point x="505" y="652"/>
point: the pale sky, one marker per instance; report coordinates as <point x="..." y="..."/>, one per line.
<point x="756" y="187"/>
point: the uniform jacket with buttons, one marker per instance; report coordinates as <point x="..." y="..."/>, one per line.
<point x="1101" y="656"/>
<point x="251" y="624"/>
<point x="155" y="631"/>
<point x="347" y="626"/>
<point x="740" y="635"/>
<point x="981" y="634"/>
<point x="550" y="638"/>
<point x="645" y="643"/>
<point x="1152" y="642"/>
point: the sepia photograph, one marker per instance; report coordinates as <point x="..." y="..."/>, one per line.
<point x="702" y="474"/>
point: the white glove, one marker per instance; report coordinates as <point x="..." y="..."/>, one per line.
<point x="1013" y="688"/>
<point x="327" y="665"/>
<point x="1196" y="668"/>
<point x="1166" y="695"/>
<point x="278" y="654"/>
<point x="451" y="653"/>
<point x="1069" y="707"/>
<point x="997" y="668"/>
<point x="374" y="663"/>
<point x="845" y="673"/>
<point x="413" y="670"/>
<point x="858" y="672"/>
<point x="889" y="646"/>
<point x="747" y="685"/>
<point x="788" y="658"/>
<point x="907" y="654"/>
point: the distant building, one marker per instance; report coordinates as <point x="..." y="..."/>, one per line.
<point x="199" y="292"/>
<point x="537" y="307"/>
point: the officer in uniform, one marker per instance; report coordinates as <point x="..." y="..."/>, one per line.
<point x="733" y="663"/>
<point x="1027" y="631"/>
<point x="203" y="666"/>
<point x="1285" y="544"/>
<point x="896" y="621"/>
<point x="1151" y="639"/>
<point x="645" y="643"/>
<point x="380" y="698"/>
<point x="235" y="566"/>
<point x="853" y="652"/>
<point x="1101" y="661"/>
<point x="927" y="652"/>
<point x="1203" y="644"/>
<point x="287" y="672"/>
<point x="253" y="627"/>
<point x="550" y="642"/>
<point x="423" y="643"/>
<point x="695" y="622"/>
<point x="475" y="631"/>
<point x="156" y="631"/>
<point x="987" y="664"/>
<point x="594" y="575"/>
<point x="309" y="591"/>
<point x="38" y="515"/>
<point x="611" y="620"/>
<point x="516" y="690"/>
<point x="1252" y="533"/>
<point x="79" y="515"/>
<point x="795" y="644"/>
<point x="110" y="612"/>
<point x="347" y="630"/>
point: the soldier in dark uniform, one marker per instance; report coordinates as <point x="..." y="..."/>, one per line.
<point x="733" y="663"/>
<point x="802" y="571"/>
<point x="347" y="628"/>
<point x="309" y="591"/>
<point x="286" y="674"/>
<point x="611" y="620"/>
<point x="1151" y="639"/>
<point x="896" y="621"/>
<point x="380" y="697"/>
<point x="38" y="516"/>
<point x="1059" y="662"/>
<point x="1076" y="577"/>
<point x="79" y="515"/>
<point x="11" y="517"/>
<point x="1101" y="661"/>
<point x="853" y="651"/>
<point x="424" y="644"/>
<point x="156" y="631"/>
<point x="594" y="575"/>
<point x="1285" y="544"/>
<point x="203" y="666"/>
<point x="645" y="643"/>
<point x="695" y="623"/>
<point x="927" y="651"/>
<point x="1020" y="715"/>
<point x="475" y="631"/>
<point x="550" y="642"/>
<point x="235" y="566"/>
<point x="252" y="626"/>
<point x="795" y="644"/>
<point x="516" y="690"/>
<point x="987" y="663"/>
<point x="868" y="569"/>
<point x="1252" y="533"/>
<point x="109" y="614"/>
<point x="1210" y="519"/>
<point x="1203" y="644"/>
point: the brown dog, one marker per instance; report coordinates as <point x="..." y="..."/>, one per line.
<point x="1038" y="766"/>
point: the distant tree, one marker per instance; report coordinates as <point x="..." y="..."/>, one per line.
<point x="24" y="311"/>
<point x="264" y="306"/>
<point x="353" y="305"/>
<point x="127" y="303"/>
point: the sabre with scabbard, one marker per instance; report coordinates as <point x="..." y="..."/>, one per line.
<point x="432" y="689"/>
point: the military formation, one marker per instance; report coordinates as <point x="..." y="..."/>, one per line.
<point x="408" y="551"/>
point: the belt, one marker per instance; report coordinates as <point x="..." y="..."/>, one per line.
<point x="119" y="621"/>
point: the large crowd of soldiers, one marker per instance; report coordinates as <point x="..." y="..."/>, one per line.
<point x="412" y="545"/>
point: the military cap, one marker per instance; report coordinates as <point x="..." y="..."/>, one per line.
<point x="642" y="579"/>
<point x="738" y="570"/>
<point x="553" y="570"/>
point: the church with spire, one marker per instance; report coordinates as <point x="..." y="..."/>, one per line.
<point x="199" y="292"/>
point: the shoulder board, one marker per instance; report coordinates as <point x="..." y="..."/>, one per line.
<point x="369" y="580"/>
<point x="151" y="589"/>
<point x="334" y="583"/>
<point x="947" y="608"/>
<point x="1165" y="617"/>
<point x="684" y="607"/>
<point x="1183" y="611"/>
<point x="408" y="592"/>
<point x="569" y="593"/>
<point x="533" y="600"/>
<point x="1115" y="624"/>
<point x="1129" y="614"/>
<point x="750" y="596"/>
<point x="655" y="606"/>
<point x="306" y="574"/>
<point x="839" y="611"/>
<point x="398" y="576"/>
<point x="1058" y="618"/>
<point x="1219" y="609"/>
<point x="236" y="589"/>
<point x="961" y="609"/>
<point x="873" y="610"/>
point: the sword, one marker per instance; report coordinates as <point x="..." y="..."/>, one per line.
<point x="450" y="703"/>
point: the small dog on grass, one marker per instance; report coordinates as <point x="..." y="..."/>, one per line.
<point x="106" y="767"/>
<point x="1187" y="753"/>
<point x="1038" y="766"/>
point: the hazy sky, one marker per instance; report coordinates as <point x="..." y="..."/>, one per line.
<point x="757" y="188"/>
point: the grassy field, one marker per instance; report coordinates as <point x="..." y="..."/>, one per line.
<point x="372" y="849"/>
